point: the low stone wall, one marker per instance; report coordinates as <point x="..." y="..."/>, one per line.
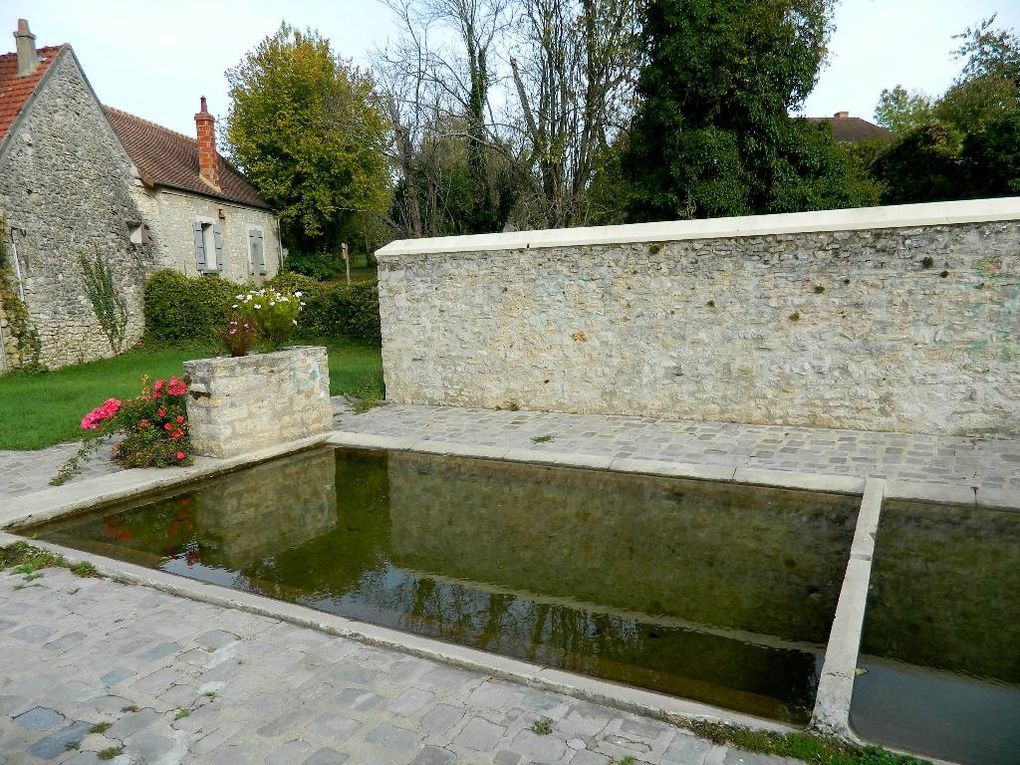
<point x="899" y="319"/>
<point x="239" y="405"/>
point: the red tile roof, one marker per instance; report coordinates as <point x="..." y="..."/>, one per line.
<point x="167" y="158"/>
<point x="853" y="129"/>
<point x="15" y="91"/>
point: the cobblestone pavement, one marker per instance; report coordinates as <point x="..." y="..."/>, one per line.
<point x="92" y="666"/>
<point x="988" y="462"/>
<point x="25" y="472"/>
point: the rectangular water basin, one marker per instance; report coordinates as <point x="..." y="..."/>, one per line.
<point x="941" y="643"/>
<point x="715" y="592"/>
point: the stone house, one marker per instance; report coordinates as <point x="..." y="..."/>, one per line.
<point x="78" y="179"/>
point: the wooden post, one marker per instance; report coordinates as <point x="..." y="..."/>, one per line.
<point x="347" y="260"/>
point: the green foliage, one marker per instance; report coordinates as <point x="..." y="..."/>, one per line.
<point x="44" y="409"/>
<point x="712" y="135"/>
<point x="921" y="167"/>
<point x="23" y="558"/>
<point x="28" y="347"/>
<point x="335" y="310"/>
<point x="459" y="185"/>
<point x="963" y="144"/>
<point x="306" y="128"/>
<point x="820" y="750"/>
<point x="901" y="111"/>
<point x="273" y="312"/>
<point x="317" y="265"/>
<point x="107" y="304"/>
<point x="179" y="308"/>
<point x="542" y="727"/>
<point x="154" y="426"/>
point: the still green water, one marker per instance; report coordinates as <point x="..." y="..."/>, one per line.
<point x="941" y="643"/>
<point x="710" y="591"/>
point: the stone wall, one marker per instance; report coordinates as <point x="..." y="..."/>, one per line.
<point x="65" y="188"/>
<point x="240" y="405"/>
<point x="901" y="319"/>
<point x="171" y="215"/>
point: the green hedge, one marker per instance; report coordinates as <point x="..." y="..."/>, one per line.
<point x="178" y="307"/>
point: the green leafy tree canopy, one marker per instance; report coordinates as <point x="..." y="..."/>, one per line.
<point x="712" y="134"/>
<point x="307" y="129"/>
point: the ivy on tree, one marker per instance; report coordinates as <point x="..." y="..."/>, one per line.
<point x="712" y="135"/>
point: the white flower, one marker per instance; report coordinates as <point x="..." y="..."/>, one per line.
<point x="238" y="297"/>
<point x="272" y="303"/>
<point x="298" y="294"/>
<point x="294" y="321"/>
<point x="235" y="305"/>
<point x="257" y="306"/>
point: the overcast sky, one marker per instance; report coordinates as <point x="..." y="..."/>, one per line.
<point x="156" y="58"/>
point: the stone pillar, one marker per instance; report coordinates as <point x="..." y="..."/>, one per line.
<point x="240" y="405"/>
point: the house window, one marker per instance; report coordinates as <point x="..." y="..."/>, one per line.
<point x="208" y="246"/>
<point x="256" y="252"/>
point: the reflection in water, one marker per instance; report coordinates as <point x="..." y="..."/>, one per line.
<point x="941" y="634"/>
<point x="715" y="592"/>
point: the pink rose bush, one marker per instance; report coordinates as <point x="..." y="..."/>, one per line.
<point x="153" y="428"/>
<point x="92" y="420"/>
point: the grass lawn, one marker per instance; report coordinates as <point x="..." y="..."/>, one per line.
<point x="45" y="409"/>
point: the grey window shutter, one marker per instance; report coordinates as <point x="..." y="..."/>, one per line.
<point x="199" y="246"/>
<point x="218" y="238"/>
<point x="252" y="265"/>
<point x="260" y="252"/>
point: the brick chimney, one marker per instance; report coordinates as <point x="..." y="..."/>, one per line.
<point x="842" y="115"/>
<point x="27" y="58"/>
<point x="208" y="159"/>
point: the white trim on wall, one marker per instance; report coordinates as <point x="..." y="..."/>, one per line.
<point x="892" y="216"/>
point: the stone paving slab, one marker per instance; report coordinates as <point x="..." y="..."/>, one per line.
<point x="990" y="463"/>
<point x="25" y="472"/>
<point x="91" y="665"/>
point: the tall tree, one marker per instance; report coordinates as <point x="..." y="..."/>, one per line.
<point x="712" y="134"/>
<point x="901" y="110"/>
<point x="308" y="129"/>
<point x="438" y="76"/>
<point x="573" y="71"/>
<point x="962" y="144"/>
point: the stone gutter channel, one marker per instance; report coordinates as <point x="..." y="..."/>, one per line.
<point x="832" y="702"/>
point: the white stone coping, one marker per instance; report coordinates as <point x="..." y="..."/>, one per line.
<point x="854" y="219"/>
<point x="831" y="713"/>
<point x="81" y="496"/>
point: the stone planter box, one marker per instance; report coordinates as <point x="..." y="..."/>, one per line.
<point x="239" y="405"/>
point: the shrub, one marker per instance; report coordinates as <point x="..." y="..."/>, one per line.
<point x="238" y="337"/>
<point x="154" y="426"/>
<point x="273" y="312"/>
<point x="351" y="311"/>
<point x="181" y="308"/>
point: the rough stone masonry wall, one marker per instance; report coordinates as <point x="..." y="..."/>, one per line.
<point x="172" y="214"/>
<point x="65" y="182"/>
<point x="835" y="329"/>
<point x="253" y="402"/>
